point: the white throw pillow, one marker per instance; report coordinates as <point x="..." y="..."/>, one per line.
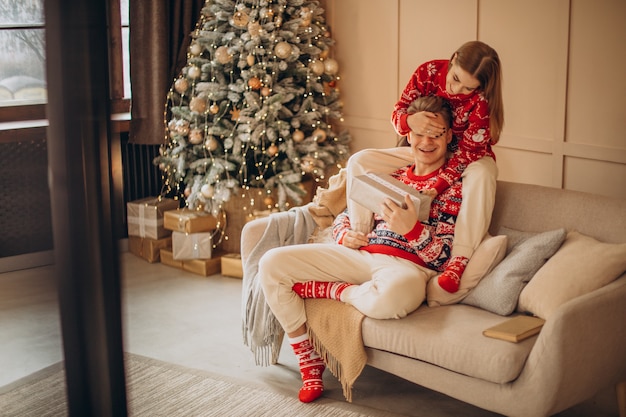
<point x="488" y="254"/>
<point x="581" y="265"/>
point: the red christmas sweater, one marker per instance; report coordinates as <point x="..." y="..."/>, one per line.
<point x="429" y="243"/>
<point x="470" y="123"/>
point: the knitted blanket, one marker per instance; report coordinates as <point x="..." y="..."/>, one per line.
<point x="334" y="327"/>
<point x="335" y="330"/>
<point x="261" y="331"/>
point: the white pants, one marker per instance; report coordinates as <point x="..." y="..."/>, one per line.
<point x="479" y="194"/>
<point x="388" y="287"/>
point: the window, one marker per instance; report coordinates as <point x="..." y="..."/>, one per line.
<point x="22" y="45"/>
<point x="23" y="92"/>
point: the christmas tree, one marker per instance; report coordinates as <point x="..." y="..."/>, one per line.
<point x="256" y="106"/>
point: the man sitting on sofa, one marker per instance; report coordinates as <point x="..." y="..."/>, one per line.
<point x="383" y="274"/>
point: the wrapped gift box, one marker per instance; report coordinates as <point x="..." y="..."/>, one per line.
<point x="231" y="265"/>
<point x="189" y="221"/>
<point x="148" y="249"/>
<point x="145" y="217"/>
<point x="192" y="245"/>
<point x="168" y="259"/>
<point x="370" y="190"/>
<point x="203" y="267"/>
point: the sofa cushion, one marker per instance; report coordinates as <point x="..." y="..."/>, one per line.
<point x="451" y="337"/>
<point x="490" y="252"/>
<point x="499" y="291"/>
<point x="581" y="265"/>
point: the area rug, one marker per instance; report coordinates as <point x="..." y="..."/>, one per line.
<point x="158" y="388"/>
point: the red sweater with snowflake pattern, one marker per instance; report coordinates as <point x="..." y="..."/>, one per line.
<point x="429" y="243"/>
<point x="470" y="118"/>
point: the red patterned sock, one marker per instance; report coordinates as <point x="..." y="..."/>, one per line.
<point x="450" y="279"/>
<point x="311" y="368"/>
<point x="320" y="289"/>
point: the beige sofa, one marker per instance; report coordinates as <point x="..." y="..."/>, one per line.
<point x="580" y="351"/>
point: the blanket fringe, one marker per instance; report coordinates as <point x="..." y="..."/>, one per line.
<point x="333" y="365"/>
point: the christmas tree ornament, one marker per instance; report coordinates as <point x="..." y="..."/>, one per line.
<point x="182" y="127"/>
<point x="207" y="190"/>
<point x="194" y="72"/>
<point x="272" y="150"/>
<point x="331" y="66"/>
<point x="195" y="49"/>
<point x="198" y="104"/>
<point x="240" y="19"/>
<point x="297" y="136"/>
<point x="282" y="50"/>
<point x="234" y="114"/>
<point x="319" y="135"/>
<point x="181" y="85"/>
<point x="265" y="91"/>
<point x="254" y="29"/>
<point x="211" y="144"/>
<point x="214" y="108"/>
<point x="250" y="59"/>
<point x="196" y="136"/>
<point x="317" y="67"/>
<point x="222" y="55"/>
<point x="254" y="83"/>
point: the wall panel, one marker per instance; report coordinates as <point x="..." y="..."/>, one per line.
<point x="366" y="36"/>
<point x="563" y="64"/>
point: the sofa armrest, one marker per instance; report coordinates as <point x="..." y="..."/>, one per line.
<point x="580" y="349"/>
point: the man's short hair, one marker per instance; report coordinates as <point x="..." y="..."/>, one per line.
<point x="434" y="104"/>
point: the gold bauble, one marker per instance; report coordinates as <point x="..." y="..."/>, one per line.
<point x="282" y="50"/>
<point x="254" y="83"/>
<point x="265" y="91"/>
<point x="214" y="108"/>
<point x="331" y="66"/>
<point x="324" y="53"/>
<point x="207" y="190"/>
<point x="317" y="67"/>
<point x="195" y="49"/>
<point x="297" y="136"/>
<point x="181" y="85"/>
<point x="222" y="55"/>
<point x="182" y="127"/>
<point x="197" y="104"/>
<point x="254" y="29"/>
<point x="319" y="135"/>
<point x="196" y="136"/>
<point x="240" y="19"/>
<point x="194" y="72"/>
<point x="211" y="144"/>
<point x="250" y="60"/>
<point x="272" y="150"/>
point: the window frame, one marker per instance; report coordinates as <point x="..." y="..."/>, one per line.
<point x="21" y="121"/>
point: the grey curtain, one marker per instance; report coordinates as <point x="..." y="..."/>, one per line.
<point x="159" y="38"/>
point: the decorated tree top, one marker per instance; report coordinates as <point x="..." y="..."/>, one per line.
<point x="256" y="106"/>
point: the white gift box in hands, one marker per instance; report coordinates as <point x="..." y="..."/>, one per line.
<point x="370" y="190"/>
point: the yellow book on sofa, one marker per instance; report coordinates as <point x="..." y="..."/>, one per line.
<point x="515" y="329"/>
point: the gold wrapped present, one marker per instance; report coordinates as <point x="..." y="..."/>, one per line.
<point x="191" y="245"/>
<point x="145" y="217"/>
<point x="231" y="265"/>
<point x="203" y="267"/>
<point x="148" y="249"/>
<point x="189" y="221"/>
<point x="168" y="259"/>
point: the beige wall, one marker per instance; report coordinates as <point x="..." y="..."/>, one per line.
<point x="564" y="85"/>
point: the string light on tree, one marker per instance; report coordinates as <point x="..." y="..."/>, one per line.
<point x="255" y="107"/>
